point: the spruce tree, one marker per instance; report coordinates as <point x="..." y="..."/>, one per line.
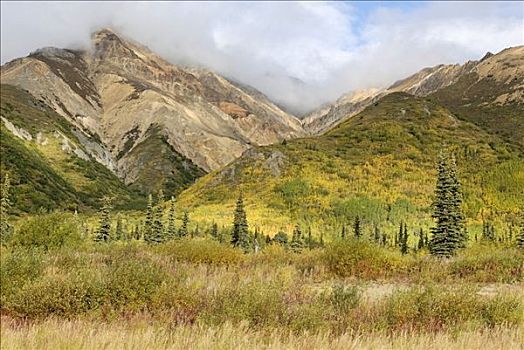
<point x="138" y="232"/>
<point x="118" y="231"/>
<point x="158" y="225"/>
<point x="256" y="241"/>
<point x="297" y="243"/>
<point x="6" y="229"/>
<point x="214" y="231"/>
<point x="103" y="233"/>
<point x="309" y="239"/>
<point x="420" y="239"/>
<point x="357" y="230"/>
<point x="488" y="231"/>
<point x="404" y="241"/>
<point x="148" y="224"/>
<point x="183" y="231"/>
<point x="448" y="234"/>
<point x="456" y="213"/>
<point x="376" y="234"/>
<point x="171" y="225"/>
<point x="384" y="239"/>
<point x="520" y="237"/>
<point x="240" y="235"/>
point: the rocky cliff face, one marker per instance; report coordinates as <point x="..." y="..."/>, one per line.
<point x="505" y="69"/>
<point x="119" y="91"/>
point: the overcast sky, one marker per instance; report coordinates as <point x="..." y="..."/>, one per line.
<point x="299" y="54"/>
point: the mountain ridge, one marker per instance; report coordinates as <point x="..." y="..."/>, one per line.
<point x="120" y="88"/>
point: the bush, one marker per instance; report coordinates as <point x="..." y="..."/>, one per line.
<point x="343" y="298"/>
<point x="48" y="231"/>
<point x="18" y="268"/>
<point x="132" y="281"/>
<point x="489" y="263"/>
<point x="62" y="295"/>
<point x="202" y="251"/>
<point x="258" y="303"/>
<point x="362" y="259"/>
<point x="431" y="309"/>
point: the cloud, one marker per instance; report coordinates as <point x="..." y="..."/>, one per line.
<point x="299" y="54"/>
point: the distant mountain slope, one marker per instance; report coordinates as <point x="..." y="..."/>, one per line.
<point x="458" y="87"/>
<point x="119" y="90"/>
<point x="379" y="164"/>
<point x="48" y="159"/>
<point x="491" y="95"/>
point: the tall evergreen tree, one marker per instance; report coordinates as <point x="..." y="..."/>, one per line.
<point x="183" y="231"/>
<point x="456" y="213"/>
<point x="103" y="233"/>
<point x="150" y="216"/>
<point x="240" y="234"/>
<point x="158" y="224"/>
<point x="448" y="234"/>
<point x="171" y="225"/>
<point x="404" y="240"/>
<point x="357" y="230"/>
<point x="6" y="229"/>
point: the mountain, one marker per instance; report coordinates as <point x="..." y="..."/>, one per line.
<point x="329" y="115"/>
<point x="154" y="124"/>
<point x="495" y="82"/>
<point x="379" y="164"/>
<point x="491" y="95"/>
<point x="48" y="159"/>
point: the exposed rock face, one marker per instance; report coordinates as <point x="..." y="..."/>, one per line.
<point x="119" y="89"/>
<point x="506" y="68"/>
<point x="346" y="106"/>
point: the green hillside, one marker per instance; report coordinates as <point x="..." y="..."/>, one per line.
<point x="162" y="167"/>
<point x="44" y="175"/>
<point x="379" y="165"/>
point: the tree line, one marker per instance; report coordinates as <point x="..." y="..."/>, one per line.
<point x="447" y="236"/>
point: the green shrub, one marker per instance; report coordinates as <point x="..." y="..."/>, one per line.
<point x="132" y="281"/>
<point x="362" y="259"/>
<point x="48" y="231"/>
<point x="61" y="295"/>
<point x="489" y="263"/>
<point x="434" y="309"/>
<point x="17" y="268"/>
<point x="343" y="298"/>
<point x="260" y="304"/>
<point x="202" y="251"/>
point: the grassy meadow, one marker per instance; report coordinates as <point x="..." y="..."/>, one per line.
<point x="62" y="290"/>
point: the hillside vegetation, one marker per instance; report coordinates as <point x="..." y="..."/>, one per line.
<point x="48" y="165"/>
<point x="379" y="165"/>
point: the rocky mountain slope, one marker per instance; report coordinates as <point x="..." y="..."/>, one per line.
<point x="456" y="86"/>
<point x="48" y="159"/>
<point x="145" y="119"/>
